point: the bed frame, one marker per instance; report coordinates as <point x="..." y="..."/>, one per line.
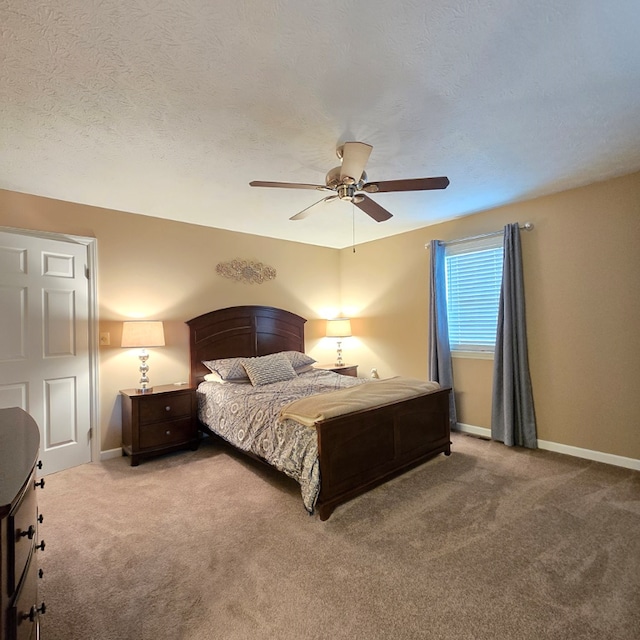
<point x="357" y="451"/>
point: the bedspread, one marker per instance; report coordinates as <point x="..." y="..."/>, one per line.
<point x="248" y="418"/>
<point x="312" y="409"/>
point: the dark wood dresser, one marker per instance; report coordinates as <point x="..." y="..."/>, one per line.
<point x="19" y="519"/>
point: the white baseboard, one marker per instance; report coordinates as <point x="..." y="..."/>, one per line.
<point x="578" y="452"/>
<point x="483" y="432"/>
<point x="111" y="453"/>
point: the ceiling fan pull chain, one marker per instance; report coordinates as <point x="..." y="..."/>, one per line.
<point x="353" y="226"/>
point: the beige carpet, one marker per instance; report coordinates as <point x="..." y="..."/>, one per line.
<point x="491" y="543"/>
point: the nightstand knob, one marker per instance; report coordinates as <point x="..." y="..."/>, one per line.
<point x="168" y="433"/>
<point x="40" y="518"/>
<point x="40" y="484"/>
<point x="40" y="546"/>
<point x="29" y="533"/>
<point x="167" y="408"/>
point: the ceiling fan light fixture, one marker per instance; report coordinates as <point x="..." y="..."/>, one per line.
<point x="346" y="192"/>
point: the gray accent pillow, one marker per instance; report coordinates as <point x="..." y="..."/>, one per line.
<point x="267" y="369"/>
<point x="228" y="368"/>
<point x="299" y="360"/>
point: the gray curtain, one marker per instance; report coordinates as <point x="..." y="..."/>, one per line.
<point x="440" y="368"/>
<point x="513" y="418"/>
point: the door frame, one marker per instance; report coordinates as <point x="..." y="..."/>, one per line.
<point x="91" y="245"/>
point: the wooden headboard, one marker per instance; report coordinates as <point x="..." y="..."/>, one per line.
<point x="246" y="332"/>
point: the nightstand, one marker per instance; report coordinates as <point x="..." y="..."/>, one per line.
<point x="343" y="370"/>
<point x="159" y="421"/>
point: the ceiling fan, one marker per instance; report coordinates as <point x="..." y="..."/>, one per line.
<point x="349" y="181"/>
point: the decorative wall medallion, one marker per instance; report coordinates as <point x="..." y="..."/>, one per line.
<point x="246" y="271"/>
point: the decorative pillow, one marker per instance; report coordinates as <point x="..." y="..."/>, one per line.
<point x="267" y="369"/>
<point x="299" y="360"/>
<point x="227" y="368"/>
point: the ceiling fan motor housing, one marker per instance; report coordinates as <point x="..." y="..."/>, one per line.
<point x="333" y="179"/>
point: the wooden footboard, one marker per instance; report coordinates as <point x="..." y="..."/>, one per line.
<point x="361" y="450"/>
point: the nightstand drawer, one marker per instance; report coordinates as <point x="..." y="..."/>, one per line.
<point x="166" y="433"/>
<point x="158" y="408"/>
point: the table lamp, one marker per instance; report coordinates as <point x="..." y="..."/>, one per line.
<point x="339" y="328"/>
<point x="143" y="334"/>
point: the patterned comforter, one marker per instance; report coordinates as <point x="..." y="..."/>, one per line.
<point x="247" y="417"/>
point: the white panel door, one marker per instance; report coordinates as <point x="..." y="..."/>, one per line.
<point x="44" y="343"/>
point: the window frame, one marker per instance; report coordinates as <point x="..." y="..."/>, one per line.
<point x="493" y="282"/>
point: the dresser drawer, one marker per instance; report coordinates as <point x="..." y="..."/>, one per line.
<point x="163" y="434"/>
<point x="23" y="524"/>
<point x="160" y="408"/>
<point x="24" y="615"/>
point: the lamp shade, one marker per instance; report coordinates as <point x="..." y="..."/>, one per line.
<point x="339" y="328"/>
<point x="142" y="334"/>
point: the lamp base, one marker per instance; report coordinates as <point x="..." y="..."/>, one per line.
<point x="144" y="390"/>
<point x="339" y="361"/>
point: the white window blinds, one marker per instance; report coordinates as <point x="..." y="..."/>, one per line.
<point x="474" y="275"/>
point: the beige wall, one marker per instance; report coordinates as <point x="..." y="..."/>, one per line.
<point x="582" y="269"/>
<point x="582" y="277"/>
<point x="158" y="269"/>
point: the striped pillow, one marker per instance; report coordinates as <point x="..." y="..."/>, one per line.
<point x="267" y="369"/>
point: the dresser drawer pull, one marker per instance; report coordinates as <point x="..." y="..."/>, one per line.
<point x="40" y="483"/>
<point x="29" y="533"/>
<point x="40" y="573"/>
<point x="34" y="611"/>
<point x="40" y="518"/>
<point x="40" y="546"/>
<point x="167" y="408"/>
<point x="39" y="465"/>
<point x="168" y="432"/>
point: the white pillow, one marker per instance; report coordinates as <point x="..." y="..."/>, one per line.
<point x="213" y="377"/>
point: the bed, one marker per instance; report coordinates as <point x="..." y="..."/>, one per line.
<point x="348" y="454"/>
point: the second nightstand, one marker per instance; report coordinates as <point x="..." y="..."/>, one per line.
<point x="344" y="370"/>
<point x="158" y="422"/>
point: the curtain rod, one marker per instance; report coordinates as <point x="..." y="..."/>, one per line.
<point x="527" y="226"/>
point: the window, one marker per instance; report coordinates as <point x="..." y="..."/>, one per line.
<point x="474" y="274"/>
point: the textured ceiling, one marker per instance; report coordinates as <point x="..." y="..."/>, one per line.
<point x="171" y="107"/>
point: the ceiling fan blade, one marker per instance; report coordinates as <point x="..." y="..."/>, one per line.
<point x="413" y="184"/>
<point x="305" y="212"/>
<point x="354" y="159"/>
<point x="371" y="208"/>
<point x="289" y="185"/>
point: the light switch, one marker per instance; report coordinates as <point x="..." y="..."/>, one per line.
<point x="105" y="339"/>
